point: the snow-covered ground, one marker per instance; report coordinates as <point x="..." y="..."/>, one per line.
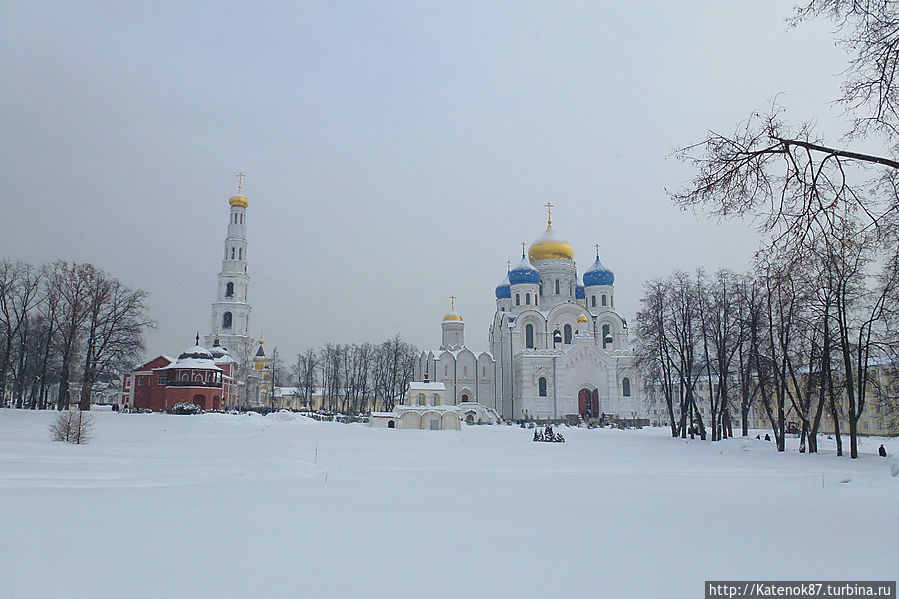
<point x="251" y="506"/>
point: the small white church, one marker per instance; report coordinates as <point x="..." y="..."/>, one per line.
<point x="557" y="346"/>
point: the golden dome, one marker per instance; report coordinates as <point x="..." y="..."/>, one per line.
<point x="450" y="316"/>
<point x="239" y="201"/>
<point x="582" y="318"/>
<point x="547" y="247"/>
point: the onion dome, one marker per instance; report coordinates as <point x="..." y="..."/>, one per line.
<point x="582" y="318"/>
<point x="548" y="246"/>
<point x="504" y="289"/>
<point x="579" y="292"/>
<point x="240" y="199"/>
<point x="452" y="315"/>
<point x="598" y="274"/>
<point x="524" y="272"/>
<point x="217" y="350"/>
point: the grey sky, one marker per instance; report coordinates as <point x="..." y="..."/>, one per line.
<point x="395" y="152"/>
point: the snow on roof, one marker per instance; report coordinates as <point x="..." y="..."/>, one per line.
<point x="415" y="386"/>
<point x="193" y="364"/>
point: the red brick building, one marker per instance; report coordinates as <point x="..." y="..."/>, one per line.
<point x="198" y="376"/>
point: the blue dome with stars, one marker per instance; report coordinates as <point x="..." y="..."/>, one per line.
<point x="579" y="292"/>
<point x="524" y="272"/>
<point x="598" y="274"/>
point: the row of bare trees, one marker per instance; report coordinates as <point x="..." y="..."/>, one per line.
<point x="353" y="379"/>
<point x="821" y="303"/>
<point x="62" y="323"/>
<point x="800" y="338"/>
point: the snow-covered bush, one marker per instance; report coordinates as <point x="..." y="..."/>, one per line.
<point x="72" y="426"/>
<point x="185" y="409"/>
<point x="548" y="436"/>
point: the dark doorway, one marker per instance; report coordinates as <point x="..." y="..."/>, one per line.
<point x="588" y="403"/>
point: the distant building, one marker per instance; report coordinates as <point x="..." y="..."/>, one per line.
<point x="199" y="376"/>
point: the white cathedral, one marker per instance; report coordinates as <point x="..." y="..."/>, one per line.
<point x="557" y="345"/>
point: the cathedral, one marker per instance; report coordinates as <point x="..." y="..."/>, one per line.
<point x="557" y="346"/>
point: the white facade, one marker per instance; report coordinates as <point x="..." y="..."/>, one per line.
<point x="468" y="376"/>
<point x="425" y="407"/>
<point x="557" y="346"/>
<point x="560" y="347"/>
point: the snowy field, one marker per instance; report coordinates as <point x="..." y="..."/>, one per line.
<point x="251" y="506"/>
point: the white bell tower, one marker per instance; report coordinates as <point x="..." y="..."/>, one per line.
<point x="231" y="310"/>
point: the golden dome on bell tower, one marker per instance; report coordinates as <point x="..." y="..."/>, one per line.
<point x="547" y="246"/>
<point x="239" y="200"/>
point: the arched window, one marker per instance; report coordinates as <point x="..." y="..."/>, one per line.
<point x="527" y="299"/>
<point x="606" y="335"/>
<point x="626" y="387"/>
<point x="198" y="377"/>
<point x="229" y="289"/>
<point x="241" y="219"/>
<point x="570" y="288"/>
<point x="529" y="336"/>
<point x="435" y="399"/>
<point x="185" y="377"/>
<point x="535" y="300"/>
<point x="567" y="334"/>
<point x="464" y="397"/>
<point x="604" y="299"/>
<point x="593" y="300"/>
<point x="557" y="286"/>
<point x="557" y="337"/>
<point x="542" y="385"/>
<point x="421" y="399"/>
<point x="226" y="320"/>
<point x="517" y="299"/>
<point x="240" y="254"/>
<point x="232" y="253"/>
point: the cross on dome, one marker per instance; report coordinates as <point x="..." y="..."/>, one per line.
<point x="452" y="303"/>
<point x="549" y="213"/>
<point x="240" y="175"/>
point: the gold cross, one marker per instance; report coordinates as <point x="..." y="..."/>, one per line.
<point x="452" y="303"/>
<point x="549" y="214"/>
<point x="596" y="245"/>
<point x="522" y="249"/>
<point x="240" y="177"/>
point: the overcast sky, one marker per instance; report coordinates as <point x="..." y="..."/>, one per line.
<point x="396" y="152"/>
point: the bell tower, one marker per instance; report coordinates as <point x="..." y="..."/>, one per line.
<point x="231" y="308"/>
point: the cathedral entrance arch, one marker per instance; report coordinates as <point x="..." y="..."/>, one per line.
<point x="200" y="400"/>
<point x="588" y="402"/>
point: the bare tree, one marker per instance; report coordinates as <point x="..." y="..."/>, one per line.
<point x="114" y="329"/>
<point x="72" y="426"/>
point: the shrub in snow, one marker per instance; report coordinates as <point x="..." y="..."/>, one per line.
<point x="72" y="426"/>
<point x="185" y="409"/>
<point x="548" y="436"/>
